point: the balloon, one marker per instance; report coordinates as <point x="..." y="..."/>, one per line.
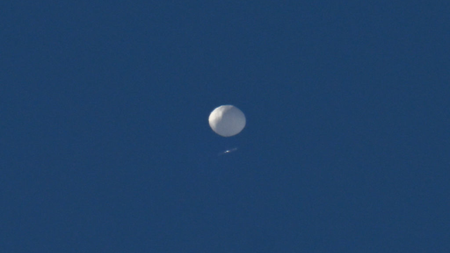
<point x="227" y="120"/>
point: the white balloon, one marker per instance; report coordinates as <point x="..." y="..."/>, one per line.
<point x="227" y="120"/>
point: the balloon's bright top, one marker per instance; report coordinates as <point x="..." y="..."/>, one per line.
<point x="227" y="120"/>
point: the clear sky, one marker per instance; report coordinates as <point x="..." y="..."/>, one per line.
<point x="105" y="144"/>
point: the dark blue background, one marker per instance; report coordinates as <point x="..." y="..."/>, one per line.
<point x="105" y="144"/>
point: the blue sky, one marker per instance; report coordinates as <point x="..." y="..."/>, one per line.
<point x="105" y="143"/>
